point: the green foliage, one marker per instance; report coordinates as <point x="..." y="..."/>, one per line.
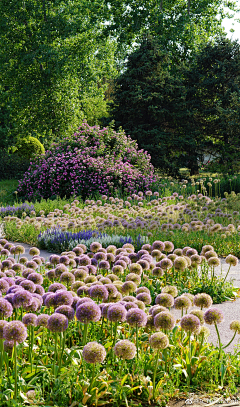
<point x="52" y="56"/>
<point x="7" y="188"/>
<point x="12" y="166"/>
<point x="29" y="147"/>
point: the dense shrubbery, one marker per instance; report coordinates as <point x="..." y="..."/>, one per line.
<point x="12" y="166"/>
<point x="28" y="147"/>
<point x="91" y="161"/>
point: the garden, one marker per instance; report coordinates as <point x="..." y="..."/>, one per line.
<point x="121" y="311"/>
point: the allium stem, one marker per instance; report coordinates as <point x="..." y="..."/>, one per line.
<point x="219" y="340"/>
<point x="137" y="340"/>
<point x="85" y="333"/>
<point x="62" y="349"/>
<point x="226" y="274"/>
<point x="92" y="379"/>
<point x="230" y="340"/>
<point x="55" y="353"/>
<point x="1" y="355"/>
<point x="15" y="371"/>
<point x="154" y="374"/>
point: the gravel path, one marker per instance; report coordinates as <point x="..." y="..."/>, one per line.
<point x="231" y="309"/>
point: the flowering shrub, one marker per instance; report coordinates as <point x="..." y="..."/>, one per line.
<point x="91" y="161"/>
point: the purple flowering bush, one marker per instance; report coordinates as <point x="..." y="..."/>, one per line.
<point x="91" y="161"/>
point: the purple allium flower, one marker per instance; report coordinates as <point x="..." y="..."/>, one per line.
<point x="84" y="260"/>
<point x="15" y="331"/>
<point x="235" y="326"/>
<point x="118" y="270"/>
<point x="88" y="312"/>
<point x="202" y="300"/>
<point x="26" y="272"/>
<point x="94" y="352"/>
<point x="94" y="262"/>
<point x="18" y="267"/>
<point x="213" y="316"/>
<point x="9" y="298"/>
<point x="34" y="251"/>
<point x="54" y="259"/>
<point x="199" y="314"/>
<point x="112" y="289"/>
<point x="142" y="290"/>
<point x="34" y="306"/>
<point x="50" y="274"/>
<point x="166" y="264"/>
<point x="56" y="286"/>
<point x="32" y="264"/>
<point x="67" y="311"/>
<point x="80" y="274"/>
<point x="125" y="349"/>
<point x="22" y="298"/>
<point x="83" y="300"/>
<point x="104" y="308"/>
<point x="39" y="290"/>
<point x="144" y="297"/>
<point x="158" y="245"/>
<point x="29" y="319"/>
<point x="23" y="260"/>
<point x="128" y="287"/>
<point x="156" y="309"/>
<point x="36" y="278"/>
<point x="4" y="286"/>
<point x="159" y="340"/>
<point x="170" y="289"/>
<point x="100" y="256"/>
<point x="164" y="299"/>
<point x="64" y="260"/>
<point x="57" y="323"/>
<point x="49" y="300"/>
<point x="133" y="277"/>
<point x="2" y="325"/>
<point x="129" y="305"/>
<point x="6" y="308"/>
<point x="28" y="285"/>
<point x="74" y="303"/>
<point x="42" y="320"/>
<point x="6" y="264"/>
<point x="232" y="260"/>
<point x="136" y="317"/>
<point x="98" y="291"/>
<point x="190" y="323"/>
<point x="116" y="313"/>
<point x="63" y="297"/>
<point x="60" y="268"/>
<point x="104" y="265"/>
<point x="164" y="320"/>
<point x="67" y="277"/>
<point x="82" y="290"/>
<point x="182" y="302"/>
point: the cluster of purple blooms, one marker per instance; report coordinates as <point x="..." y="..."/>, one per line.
<point x="16" y="210"/>
<point x="91" y="161"/>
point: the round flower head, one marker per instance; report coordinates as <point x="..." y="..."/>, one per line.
<point x="28" y="285"/>
<point x="6" y="308"/>
<point x="166" y="264"/>
<point x="198" y="313"/>
<point x="29" y="319"/>
<point x="98" y="291"/>
<point x="164" y="320"/>
<point x="80" y="274"/>
<point x="104" y="265"/>
<point x="144" y="297"/>
<point x="9" y="345"/>
<point x="202" y="300"/>
<point x="82" y="291"/>
<point x="63" y="297"/>
<point x="39" y="290"/>
<point x="88" y="312"/>
<point x="23" y="260"/>
<point x="182" y="302"/>
<point x="42" y="320"/>
<point x="94" y="352"/>
<point x="136" y="268"/>
<point x="57" y="323"/>
<point x="210" y="253"/>
<point x="190" y="296"/>
<point x="128" y="287"/>
<point x="67" y="311"/>
<point x="129" y="304"/>
<point x="125" y="349"/>
<point x="142" y="290"/>
<point x="133" y="277"/>
<point x="90" y="279"/>
<point x="158" y="245"/>
<point x="156" y="309"/>
<point x="118" y="269"/>
<point x="83" y="300"/>
<point x="235" y="326"/>
<point x="54" y="259"/>
<point x="232" y="260"/>
<point x="67" y="277"/>
<point x="144" y="264"/>
<point x="36" y="278"/>
<point x="190" y="323"/>
<point x="213" y="262"/>
<point x="166" y="300"/>
<point x="170" y="289"/>
<point x="34" y="251"/>
<point x="19" y="249"/>
<point x="4" y="286"/>
<point x="112" y="290"/>
<point x="136" y="317"/>
<point x="159" y="340"/>
<point x="31" y="264"/>
<point x="95" y="246"/>
<point x="213" y="316"/>
<point x="205" y="331"/>
<point x="116" y="313"/>
<point x="157" y="272"/>
<point x="2" y="325"/>
<point x="49" y="300"/>
<point x="180" y="263"/>
<point x="18" y="267"/>
<point x="206" y="248"/>
<point x="56" y="286"/>
<point x="15" y="331"/>
<point x="168" y="246"/>
<point x="22" y="298"/>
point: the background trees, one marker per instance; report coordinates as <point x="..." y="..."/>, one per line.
<point x="181" y="111"/>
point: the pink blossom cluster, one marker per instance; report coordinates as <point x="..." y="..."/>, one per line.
<point x="84" y="165"/>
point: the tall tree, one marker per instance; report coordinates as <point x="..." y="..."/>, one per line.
<point x="52" y="54"/>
